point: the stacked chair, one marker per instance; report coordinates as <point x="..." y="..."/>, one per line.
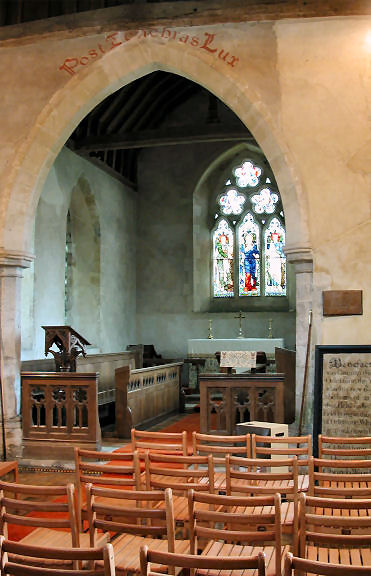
<point x="248" y="504"/>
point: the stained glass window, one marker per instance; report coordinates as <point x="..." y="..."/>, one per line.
<point x="223" y="261"/>
<point x="275" y="259"/>
<point x="248" y="238"/>
<point x="247" y="174"/>
<point x="265" y="201"/>
<point x="249" y="257"/>
<point x="232" y="202"/>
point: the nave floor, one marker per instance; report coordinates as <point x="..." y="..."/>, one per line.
<point x="37" y="475"/>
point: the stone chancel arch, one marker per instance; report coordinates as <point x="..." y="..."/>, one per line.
<point x="207" y="58"/>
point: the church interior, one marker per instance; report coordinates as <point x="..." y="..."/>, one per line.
<point x="185" y="216"/>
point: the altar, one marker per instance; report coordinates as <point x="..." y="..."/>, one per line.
<point x="205" y="348"/>
<point x="198" y="347"/>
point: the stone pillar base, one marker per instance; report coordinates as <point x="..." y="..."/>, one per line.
<point x="13" y="438"/>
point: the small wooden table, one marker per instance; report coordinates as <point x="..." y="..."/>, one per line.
<point x="6" y="467"/>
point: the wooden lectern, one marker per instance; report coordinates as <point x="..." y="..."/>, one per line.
<point x="69" y="343"/>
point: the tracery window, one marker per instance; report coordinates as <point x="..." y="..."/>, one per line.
<point x="248" y="237"/>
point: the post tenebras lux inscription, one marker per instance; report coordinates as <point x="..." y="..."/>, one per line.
<point x="206" y="42"/>
<point x="346" y="395"/>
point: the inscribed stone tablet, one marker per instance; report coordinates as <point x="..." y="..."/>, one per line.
<point x="346" y="395"/>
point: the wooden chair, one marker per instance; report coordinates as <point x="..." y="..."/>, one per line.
<point x="237" y="526"/>
<point x="180" y="473"/>
<point x="335" y="531"/>
<point x="47" y="513"/>
<point x="340" y="478"/>
<point x="216" y="565"/>
<point x="219" y="447"/>
<point x="255" y="476"/>
<point x="294" y="565"/>
<point x="20" y="559"/>
<point x="150" y="522"/>
<point x="285" y="447"/>
<point x="163" y="442"/>
<point x="114" y="469"/>
<point x="342" y="447"/>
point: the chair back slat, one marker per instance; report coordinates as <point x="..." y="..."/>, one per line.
<point x="338" y="447"/>
<point x="219" y="446"/>
<point x="163" y="442"/>
<point x="30" y="503"/>
<point x="294" y="565"/>
<point x="339" y="478"/>
<point x="17" y="559"/>
<point x="194" y="562"/>
<point x="181" y="473"/>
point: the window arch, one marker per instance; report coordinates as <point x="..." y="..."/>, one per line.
<point x="248" y="235"/>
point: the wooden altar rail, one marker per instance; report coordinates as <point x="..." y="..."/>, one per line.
<point x="227" y="400"/>
<point x="59" y="411"/>
<point x="145" y="394"/>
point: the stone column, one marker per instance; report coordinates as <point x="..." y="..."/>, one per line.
<point x="11" y="267"/>
<point x="303" y="263"/>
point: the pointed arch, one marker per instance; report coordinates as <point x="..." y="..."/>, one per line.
<point x="87" y="88"/>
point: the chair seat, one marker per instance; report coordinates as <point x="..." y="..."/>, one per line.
<point x="287" y="514"/>
<point x="214" y="548"/>
<point x="59" y="539"/>
<point x="353" y="557"/>
<point x="126" y="550"/>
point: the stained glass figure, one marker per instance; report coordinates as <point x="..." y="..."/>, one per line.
<point x="264" y="201"/>
<point x="275" y="259"/>
<point x="247" y="174"/>
<point x="223" y="239"/>
<point x="232" y="202"/>
<point x="249" y="257"/>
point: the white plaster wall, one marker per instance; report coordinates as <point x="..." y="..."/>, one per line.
<point x="325" y="85"/>
<point x="111" y="326"/>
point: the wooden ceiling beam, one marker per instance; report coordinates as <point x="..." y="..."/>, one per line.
<point x="177" y="14"/>
<point x="155" y="138"/>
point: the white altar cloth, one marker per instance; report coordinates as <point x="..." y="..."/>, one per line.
<point x="204" y="346"/>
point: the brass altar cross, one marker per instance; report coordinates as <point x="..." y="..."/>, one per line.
<point x="240" y="317"/>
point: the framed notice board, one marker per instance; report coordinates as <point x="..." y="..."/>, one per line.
<point x="342" y="392"/>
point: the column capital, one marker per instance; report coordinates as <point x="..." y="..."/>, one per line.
<point x="13" y="261"/>
<point x="301" y="257"/>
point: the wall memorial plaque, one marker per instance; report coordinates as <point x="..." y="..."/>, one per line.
<point x="342" y="392"/>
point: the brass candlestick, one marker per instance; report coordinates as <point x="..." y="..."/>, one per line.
<point x="270" y="334"/>
<point x="210" y="336"/>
